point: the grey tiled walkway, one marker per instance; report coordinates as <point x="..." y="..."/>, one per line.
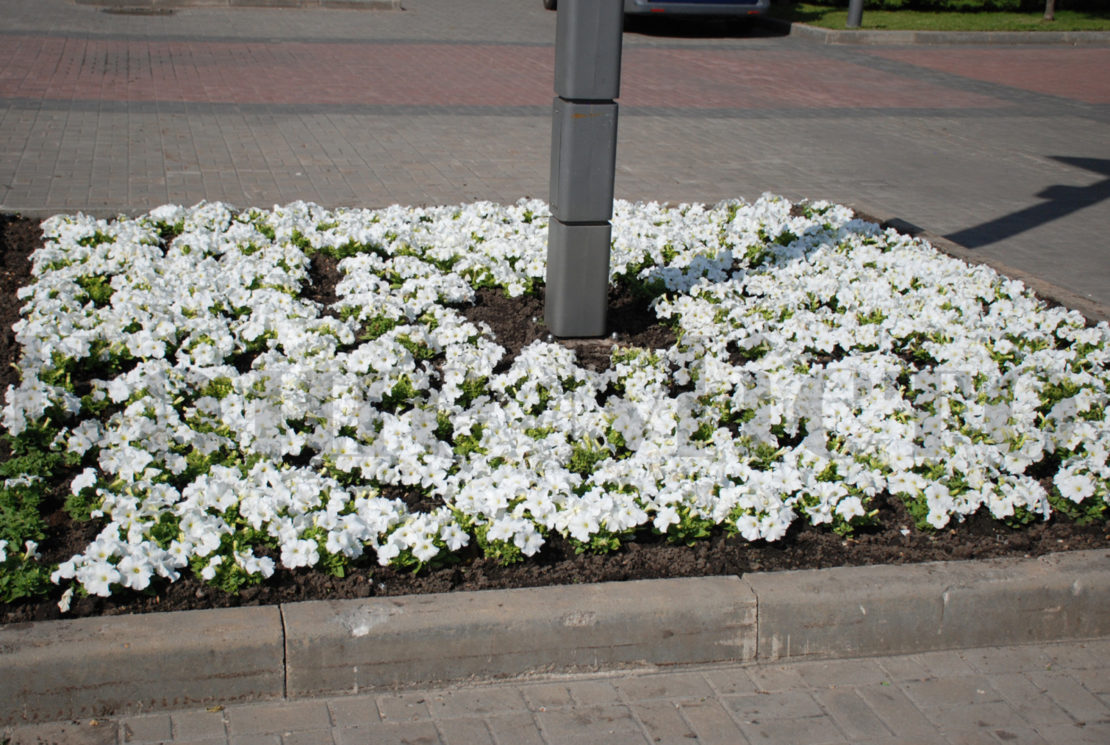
<point x="1048" y="693"/>
<point x="1004" y="148"/>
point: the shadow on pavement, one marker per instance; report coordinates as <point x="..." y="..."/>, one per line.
<point x="703" y="28"/>
<point x="1060" y="200"/>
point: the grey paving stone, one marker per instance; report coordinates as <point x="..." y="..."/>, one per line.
<point x="75" y="733"/>
<point x="945" y="693"/>
<point x="475" y="702"/>
<point x="852" y="715"/>
<point x="1071" y="696"/>
<point x="414" y="733"/>
<point x="688" y="685"/>
<point x="351" y="711"/>
<point x="404" y="707"/>
<point x="593" y="692"/>
<point x="781" y="705"/>
<point x="899" y="713"/>
<point x="730" y="681"/>
<point x="467" y="731"/>
<point x="542" y="696"/>
<point x="1012" y="659"/>
<point x="598" y="722"/>
<point x="772" y="678"/>
<point x="280" y="717"/>
<point x="971" y="738"/>
<point x="663" y="722"/>
<point x="309" y="737"/>
<point x="945" y="663"/>
<point x="514" y="729"/>
<point x="198" y="725"/>
<point x="1035" y="706"/>
<point x="1097" y="733"/>
<point x="1097" y="680"/>
<point x="275" y="739"/>
<point x="905" y="667"/>
<point x="811" y="730"/>
<point x="146" y="729"/>
<point x="986" y="717"/>
<point x="712" y="722"/>
<point x="834" y="673"/>
<point x="1090" y="654"/>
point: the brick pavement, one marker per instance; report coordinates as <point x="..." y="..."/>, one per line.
<point x="1002" y="148"/>
<point x="1057" y="694"/>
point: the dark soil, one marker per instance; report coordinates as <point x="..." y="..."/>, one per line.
<point x="516" y="323"/>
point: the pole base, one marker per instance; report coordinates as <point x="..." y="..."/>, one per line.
<point x="577" y="279"/>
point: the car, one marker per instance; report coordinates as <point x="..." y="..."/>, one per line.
<point x="747" y="8"/>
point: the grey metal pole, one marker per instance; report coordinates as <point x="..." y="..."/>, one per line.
<point x="855" y="13"/>
<point x="583" y="161"/>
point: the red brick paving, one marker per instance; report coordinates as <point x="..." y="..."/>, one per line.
<point x="1079" y="74"/>
<point x="430" y="74"/>
<point x="760" y="78"/>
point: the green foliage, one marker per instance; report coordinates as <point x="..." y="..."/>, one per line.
<point x="20" y="519"/>
<point x="229" y="576"/>
<point x="503" y="552"/>
<point x="970" y="6"/>
<point x="586" y="454"/>
<point x="1088" y="512"/>
<point x="470" y="443"/>
<point x="167" y="232"/>
<point x="954" y="15"/>
<point x="377" y="326"/>
<point x="418" y="349"/>
<point x="845" y="528"/>
<point x="218" y="388"/>
<point x="472" y="388"/>
<point x="690" y="528"/>
<point x="98" y="237"/>
<point x="22" y="579"/>
<point x="23" y="484"/>
<point x="601" y="542"/>
<point x="97" y="289"/>
<point x="400" y="396"/>
<point x="299" y="240"/>
<point x="79" y="507"/>
<point x="166" y="530"/>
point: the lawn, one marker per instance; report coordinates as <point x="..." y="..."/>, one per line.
<point x="908" y="20"/>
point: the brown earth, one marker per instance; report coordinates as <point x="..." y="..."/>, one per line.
<point x="516" y="322"/>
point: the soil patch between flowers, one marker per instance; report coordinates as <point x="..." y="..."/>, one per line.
<point x="516" y="322"/>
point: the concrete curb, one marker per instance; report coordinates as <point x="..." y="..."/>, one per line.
<point x="937" y="38"/>
<point x="115" y="665"/>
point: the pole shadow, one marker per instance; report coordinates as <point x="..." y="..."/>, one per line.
<point x="1059" y="201"/>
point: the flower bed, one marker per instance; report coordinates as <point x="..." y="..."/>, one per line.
<point x="214" y="419"/>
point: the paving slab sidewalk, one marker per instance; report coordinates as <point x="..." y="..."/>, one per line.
<point x="110" y="666"/>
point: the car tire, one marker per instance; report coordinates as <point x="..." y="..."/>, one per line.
<point x="549" y="4"/>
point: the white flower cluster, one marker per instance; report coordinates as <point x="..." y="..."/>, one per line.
<point x="228" y="423"/>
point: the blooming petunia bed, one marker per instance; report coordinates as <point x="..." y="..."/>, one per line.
<point x="218" y="421"/>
